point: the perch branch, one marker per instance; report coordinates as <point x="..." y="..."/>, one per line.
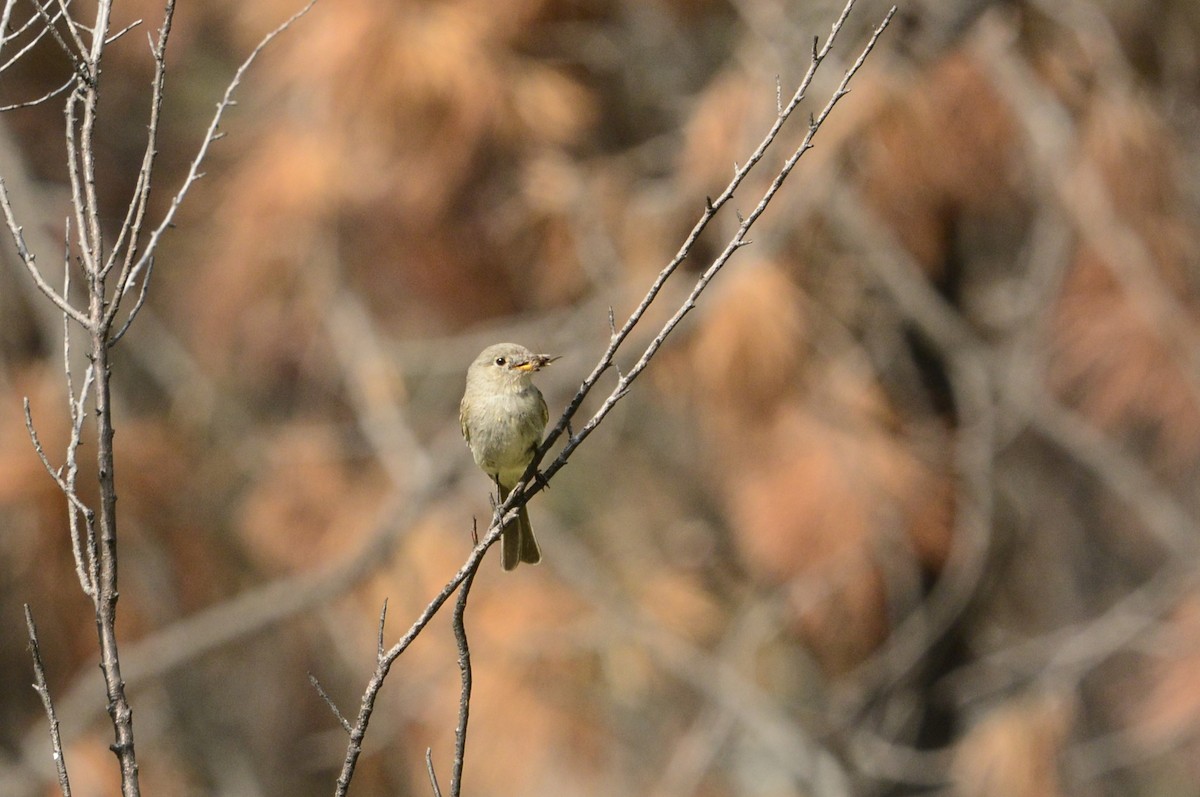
<point x="529" y="486"/>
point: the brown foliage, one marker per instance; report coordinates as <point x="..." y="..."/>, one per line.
<point x="452" y="165"/>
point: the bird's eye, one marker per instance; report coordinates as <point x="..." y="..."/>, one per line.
<point x="500" y="361"/>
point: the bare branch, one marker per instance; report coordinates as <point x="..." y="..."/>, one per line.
<point x="464" y="700"/>
<point x="521" y="493"/>
<point x="28" y="45"/>
<point x="55" y="473"/>
<point x="77" y="195"/>
<point x="39" y="685"/>
<point x="72" y="27"/>
<point x="384" y="665"/>
<point x="131" y="228"/>
<point x="329" y="702"/>
<point x="123" y="31"/>
<point x="6" y="20"/>
<point x="433" y="781"/>
<point x="44" y="98"/>
<point x="94" y="543"/>
<point x="137" y="306"/>
<point x="210" y="137"/>
<point x="76" y="57"/>
<point x="711" y="207"/>
<point x="86" y="572"/>
<point x="90" y="229"/>
<point x="735" y="243"/>
<point x="382" y="625"/>
<point x="28" y="259"/>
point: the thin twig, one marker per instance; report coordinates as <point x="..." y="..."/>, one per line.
<point x="28" y="259"/>
<point x="137" y="306"/>
<point x="123" y="31"/>
<point x="44" y="98"/>
<point x="27" y="46"/>
<point x="508" y="508"/>
<point x="433" y="781"/>
<point x="55" y="473"/>
<point x="72" y="26"/>
<point x="21" y="29"/>
<point x="210" y="137"/>
<point x="711" y="207"/>
<point x="312" y="679"/>
<point x="77" y="196"/>
<point x="76" y="58"/>
<point x="39" y="685"/>
<point x="6" y="20"/>
<point x="525" y="488"/>
<point x="76" y="406"/>
<point x="464" y="700"/>
<point x="382" y="624"/>
<point x="385" y="662"/>
<point x="131" y="228"/>
<point x="89" y="97"/>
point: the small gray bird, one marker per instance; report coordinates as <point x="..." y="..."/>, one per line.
<point x="503" y="416"/>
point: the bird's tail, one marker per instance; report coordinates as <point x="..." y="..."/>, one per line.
<point x="517" y="543"/>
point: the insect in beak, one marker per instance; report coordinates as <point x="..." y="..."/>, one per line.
<point x="536" y="363"/>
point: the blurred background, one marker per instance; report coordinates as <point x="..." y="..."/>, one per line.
<point x="906" y="506"/>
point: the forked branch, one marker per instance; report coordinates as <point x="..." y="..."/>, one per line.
<point x="529" y="485"/>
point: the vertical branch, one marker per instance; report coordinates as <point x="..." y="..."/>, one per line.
<point x="81" y="142"/>
<point x="89" y="97"/>
<point x="81" y="540"/>
<point x="464" y="700"/>
<point x="385" y="659"/>
<point x="6" y="21"/>
<point x="106" y="595"/>
<point x="127" y="236"/>
<point x="39" y="674"/>
<point x="108" y="273"/>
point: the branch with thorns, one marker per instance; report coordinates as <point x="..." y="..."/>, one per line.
<point x="129" y="256"/>
<point x="534" y="480"/>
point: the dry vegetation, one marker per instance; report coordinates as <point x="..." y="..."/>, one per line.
<point x="909" y="502"/>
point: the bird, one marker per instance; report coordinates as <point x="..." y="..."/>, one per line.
<point x="503" y="416"/>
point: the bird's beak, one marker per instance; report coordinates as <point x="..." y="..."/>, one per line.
<point x="536" y="363"/>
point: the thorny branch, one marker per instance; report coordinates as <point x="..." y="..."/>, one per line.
<point x="94" y="543"/>
<point x="529" y="485"/>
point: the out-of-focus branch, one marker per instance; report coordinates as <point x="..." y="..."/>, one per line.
<point x="714" y="675"/>
<point x="1059" y="658"/>
<point x="1081" y="191"/>
<point x="973" y="387"/>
